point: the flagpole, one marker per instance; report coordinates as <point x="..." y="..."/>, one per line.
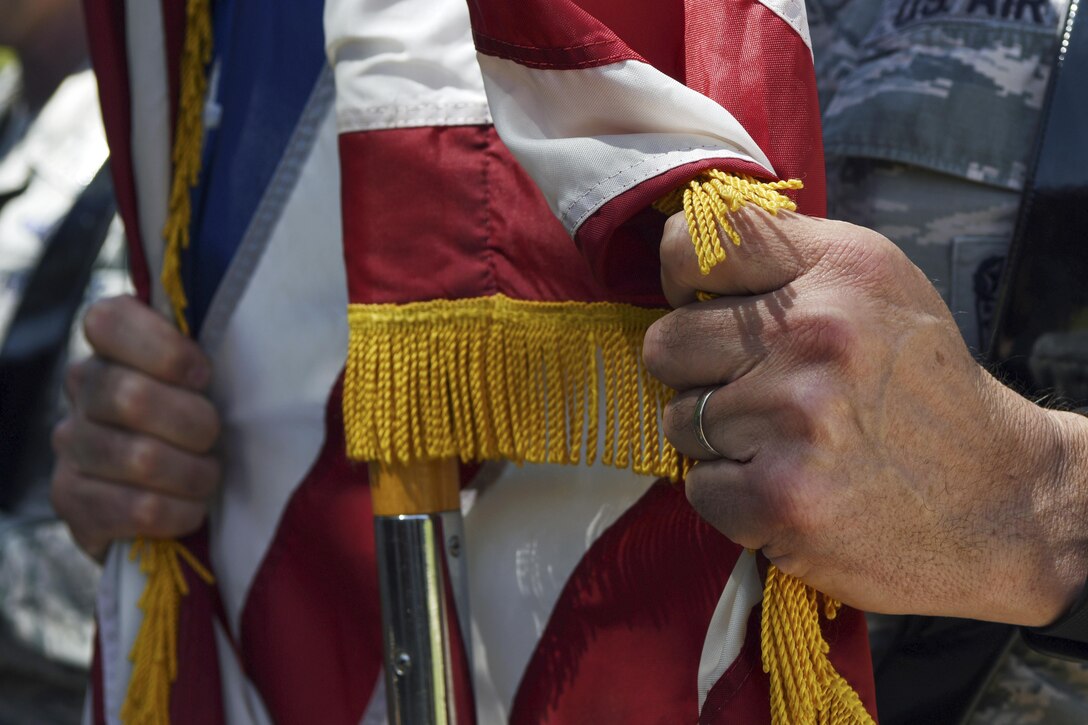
<point x="423" y="587"/>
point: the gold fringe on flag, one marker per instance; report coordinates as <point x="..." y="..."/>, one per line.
<point x="154" y="653"/>
<point x="496" y="378"/>
<point x="805" y="688"/>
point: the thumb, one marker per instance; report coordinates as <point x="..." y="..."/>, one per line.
<point x="775" y="250"/>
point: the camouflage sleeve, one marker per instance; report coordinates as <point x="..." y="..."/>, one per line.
<point x="837" y="27"/>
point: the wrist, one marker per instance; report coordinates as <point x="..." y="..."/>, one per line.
<point x="1067" y="636"/>
<point x="1061" y="514"/>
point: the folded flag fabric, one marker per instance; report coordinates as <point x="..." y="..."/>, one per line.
<point x="510" y="342"/>
<point x="497" y="291"/>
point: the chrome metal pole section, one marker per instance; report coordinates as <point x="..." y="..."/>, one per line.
<point x="420" y="560"/>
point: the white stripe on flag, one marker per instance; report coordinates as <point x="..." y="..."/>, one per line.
<point x="377" y="709"/>
<point x="242" y="704"/>
<point x="605" y="123"/>
<point x="150" y="110"/>
<point x="280" y="355"/>
<point x="728" y="626"/>
<point x="119" y="620"/>
<point x="405" y="64"/>
<point x="525" y="533"/>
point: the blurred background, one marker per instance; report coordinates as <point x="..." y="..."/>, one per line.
<point x="60" y="247"/>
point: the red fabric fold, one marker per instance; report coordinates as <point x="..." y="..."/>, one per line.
<point x="447" y="213"/>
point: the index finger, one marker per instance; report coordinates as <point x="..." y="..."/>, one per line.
<point x="774" y="251"/>
<point x="126" y="331"/>
<point x="718" y="341"/>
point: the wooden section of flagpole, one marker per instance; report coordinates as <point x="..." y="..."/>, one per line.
<point x="418" y="532"/>
<point x="415" y="488"/>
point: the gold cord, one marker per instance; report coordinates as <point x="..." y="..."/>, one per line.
<point x="154" y="653"/>
<point x="188" y="141"/>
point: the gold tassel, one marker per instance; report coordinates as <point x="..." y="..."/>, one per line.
<point x="805" y="688"/>
<point x="709" y="199"/>
<point x="496" y="378"/>
<point x="154" y="653"/>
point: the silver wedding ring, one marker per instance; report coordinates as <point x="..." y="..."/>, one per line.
<point x="700" y="406"/>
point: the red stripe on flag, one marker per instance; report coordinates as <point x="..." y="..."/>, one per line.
<point x="97" y="690"/>
<point x="197" y="693"/>
<point x="566" y="34"/>
<point x="546" y="34"/>
<point x="757" y="67"/>
<point x="173" y="25"/>
<point x="109" y="56"/>
<point x="311" y="625"/>
<point x="624" y="640"/>
<point x="456" y="203"/>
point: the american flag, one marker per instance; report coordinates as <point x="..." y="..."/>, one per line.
<point x="597" y="595"/>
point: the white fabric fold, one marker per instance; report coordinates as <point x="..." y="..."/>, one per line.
<point x="729" y="623"/>
<point x="403" y="63"/>
<point x="590" y="134"/>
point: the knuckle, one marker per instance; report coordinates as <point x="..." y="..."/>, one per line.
<point x="189" y="519"/>
<point x="700" y="494"/>
<point x="87" y="382"/>
<point x="823" y="336"/>
<point x="74" y="374"/>
<point x="660" y="346"/>
<point x="208" y="425"/>
<point x="676" y="230"/>
<point x="148" y="513"/>
<point x="675" y="240"/>
<point x="866" y="257"/>
<point x="96" y="321"/>
<point x="675" y="418"/>
<point x="174" y="359"/>
<point x="802" y="402"/>
<point x="101" y="319"/>
<point x="131" y="398"/>
<point x="789" y="504"/>
<point x="60" y="491"/>
<point x="145" y="459"/>
<point x="652" y="348"/>
<point x="62" y="436"/>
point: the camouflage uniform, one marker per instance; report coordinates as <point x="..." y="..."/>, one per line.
<point x="47" y="586"/>
<point x="930" y="109"/>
